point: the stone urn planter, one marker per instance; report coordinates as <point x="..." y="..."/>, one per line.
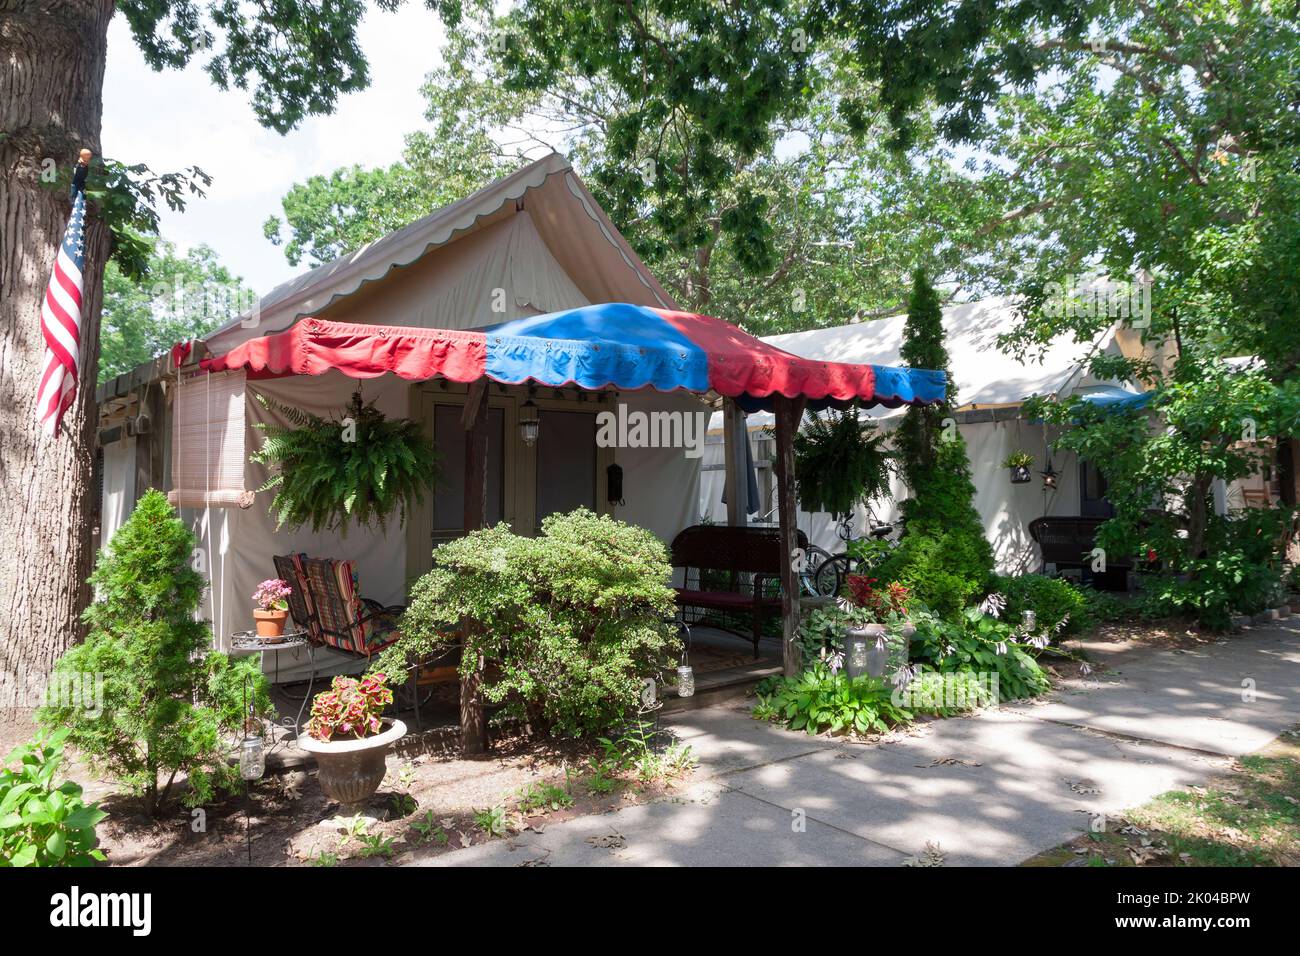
<point x="351" y="770"/>
<point x="862" y="656"/>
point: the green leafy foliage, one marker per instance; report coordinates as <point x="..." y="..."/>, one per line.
<point x="774" y="238"/>
<point x="165" y="702"/>
<point x="840" y="462"/>
<point x="943" y="556"/>
<point x="429" y="830"/>
<point x="819" y="700"/>
<point x="977" y="642"/>
<point x="638" y="748"/>
<point x="1240" y="570"/>
<point x="128" y="198"/>
<point x="351" y="708"/>
<point x="43" y="823"/>
<point x="358" y="469"/>
<point x="1206" y="421"/>
<point x="543" y="798"/>
<point x="1056" y="603"/>
<point x="180" y="297"/>
<point x="493" y="821"/>
<point x="330" y="216"/>
<point x="297" y="59"/>
<point x="570" y="621"/>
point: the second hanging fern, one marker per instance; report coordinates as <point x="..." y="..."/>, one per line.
<point x="840" y="461"/>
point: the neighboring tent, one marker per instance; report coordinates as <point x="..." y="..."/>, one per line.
<point x="991" y="386"/>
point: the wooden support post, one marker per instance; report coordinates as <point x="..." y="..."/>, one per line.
<point x="737" y="482"/>
<point x="789" y="412"/>
<point x="473" y="725"/>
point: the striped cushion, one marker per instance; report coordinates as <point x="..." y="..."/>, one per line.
<point x="345" y="574"/>
<point x="334" y="590"/>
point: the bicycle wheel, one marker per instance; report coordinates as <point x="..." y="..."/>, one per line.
<point x="831" y="574"/>
<point x="813" y="558"/>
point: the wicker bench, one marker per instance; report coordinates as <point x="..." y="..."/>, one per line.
<point x="734" y="571"/>
<point x="1068" y="541"/>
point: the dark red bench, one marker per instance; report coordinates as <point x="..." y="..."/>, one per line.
<point x="734" y="571"/>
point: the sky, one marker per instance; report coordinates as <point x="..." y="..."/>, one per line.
<point x="175" y="119"/>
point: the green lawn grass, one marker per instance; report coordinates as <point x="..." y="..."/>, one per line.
<point x="1249" y="817"/>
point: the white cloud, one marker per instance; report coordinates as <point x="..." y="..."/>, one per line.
<point x="175" y="119"/>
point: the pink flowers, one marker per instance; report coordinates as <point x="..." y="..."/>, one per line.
<point x="350" y="708"/>
<point x="272" y="595"/>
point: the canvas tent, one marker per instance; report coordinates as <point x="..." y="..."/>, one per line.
<point x="991" y="386"/>
<point x="523" y="292"/>
<point x="531" y="243"/>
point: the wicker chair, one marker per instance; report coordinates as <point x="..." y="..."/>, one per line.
<point x="288" y="568"/>
<point x="343" y="619"/>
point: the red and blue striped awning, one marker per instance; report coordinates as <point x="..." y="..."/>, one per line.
<point x="614" y="345"/>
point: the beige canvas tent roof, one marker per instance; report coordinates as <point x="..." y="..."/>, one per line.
<point x="538" y="230"/>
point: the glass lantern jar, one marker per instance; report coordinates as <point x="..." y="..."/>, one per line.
<point x="252" y="759"/>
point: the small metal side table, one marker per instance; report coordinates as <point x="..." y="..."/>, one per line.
<point x="247" y="642"/>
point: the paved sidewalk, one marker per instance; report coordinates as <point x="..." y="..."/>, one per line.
<point x="993" y="789"/>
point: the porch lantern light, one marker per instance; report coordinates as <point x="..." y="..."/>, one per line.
<point x="1050" y="475"/>
<point x="685" y="681"/>
<point x="528" y="423"/>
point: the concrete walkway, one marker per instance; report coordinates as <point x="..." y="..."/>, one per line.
<point x="993" y="789"/>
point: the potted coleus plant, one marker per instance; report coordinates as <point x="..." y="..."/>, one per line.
<point x="272" y="599"/>
<point x="880" y="619"/>
<point x="350" y="739"/>
<point x="1019" y="462"/>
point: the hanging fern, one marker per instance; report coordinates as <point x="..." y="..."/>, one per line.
<point x="840" y="462"/>
<point x="359" y="468"/>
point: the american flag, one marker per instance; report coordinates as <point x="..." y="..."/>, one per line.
<point x="61" y="323"/>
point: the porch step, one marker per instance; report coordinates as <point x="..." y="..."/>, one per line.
<point x="716" y="687"/>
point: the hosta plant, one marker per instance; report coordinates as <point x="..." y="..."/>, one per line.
<point x="43" y="823"/>
<point x="351" y="708"/>
<point x="978" y="642"/>
<point x="360" y="468"/>
<point x="819" y="700"/>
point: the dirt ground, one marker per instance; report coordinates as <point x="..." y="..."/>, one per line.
<point x="289" y="822"/>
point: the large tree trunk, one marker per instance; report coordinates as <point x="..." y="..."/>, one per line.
<point x="51" y="81"/>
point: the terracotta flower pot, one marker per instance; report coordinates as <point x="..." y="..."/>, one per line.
<point x="270" y="623"/>
<point x="351" y="770"/>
